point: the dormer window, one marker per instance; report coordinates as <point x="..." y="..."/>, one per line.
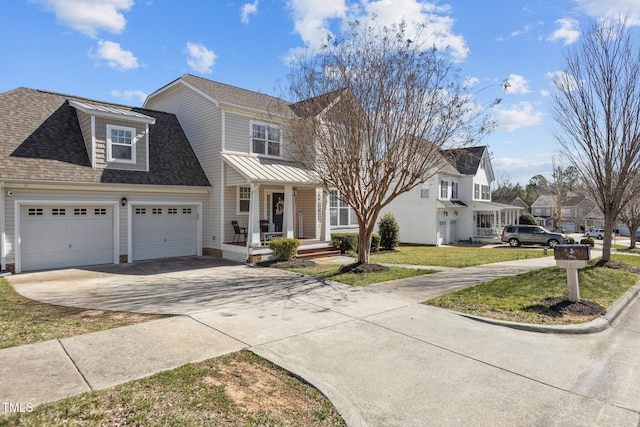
<point x="266" y="140"/>
<point x="121" y="144"/>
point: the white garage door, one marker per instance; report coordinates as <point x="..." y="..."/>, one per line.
<point x="65" y="236"/>
<point x="164" y="231"/>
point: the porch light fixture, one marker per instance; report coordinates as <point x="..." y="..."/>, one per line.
<point x="446" y="213"/>
<point x="455" y="213"/>
<point x="295" y="192"/>
<point x="123" y="201"/>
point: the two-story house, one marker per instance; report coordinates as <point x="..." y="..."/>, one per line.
<point x="241" y="140"/>
<point x="87" y="182"/>
<point x="455" y="204"/>
<point x="570" y="215"/>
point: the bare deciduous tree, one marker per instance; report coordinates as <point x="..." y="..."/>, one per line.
<point x="597" y="106"/>
<point x="630" y="216"/>
<point x="375" y="110"/>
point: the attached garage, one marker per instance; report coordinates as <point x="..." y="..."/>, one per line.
<point x="59" y="236"/>
<point x="164" y="231"/>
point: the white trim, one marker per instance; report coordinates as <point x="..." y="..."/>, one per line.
<point x="134" y="141"/>
<point x="147" y="144"/>
<point x="17" y="213"/>
<point x="67" y="185"/>
<point x="223" y="129"/>
<point x="177" y="82"/>
<point x="93" y="141"/>
<point x="132" y="203"/>
<point x="238" y="211"/>
<point x="3" y="231"/>
<point x="117" y="113"/>
<point x="266" y="141"/>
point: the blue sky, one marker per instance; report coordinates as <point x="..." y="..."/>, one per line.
<point x="122" y="50"/>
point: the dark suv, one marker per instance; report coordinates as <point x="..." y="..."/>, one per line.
<point x="517" y="235"/>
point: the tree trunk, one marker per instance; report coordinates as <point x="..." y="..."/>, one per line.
<point x="607" y="238"/>
<point x="364" y="242"/>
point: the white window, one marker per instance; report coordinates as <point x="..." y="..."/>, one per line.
<point x="476" y="191"/>
<point x="486" y="192"/>
<point x="266" y="140"/>
<point x="444" y="189"/>
<point x="340" y="213"/>
<point x="244" y="198"/>
<point x="537" y="211"/>
<point x="454" y="191"/>
<point x="121" y="144"/>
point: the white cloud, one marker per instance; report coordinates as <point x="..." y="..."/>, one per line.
<point x="612" y="9"/>
<point x="200" y="59"/>
<point x="517" y="84"/>
<point x="313" y="19"/>
<point x="568" y="32"/>
<point x="518" y="116"/>
<point x="90" y="16"/>
<point x="128" y="95"/>
<point x="563" y="79"/>
<point x="248" y="9"/>
<point x="115" y="56"/>
<point x="535" y="161"/>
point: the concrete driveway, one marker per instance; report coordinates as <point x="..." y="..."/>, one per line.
<point x="382" y="359"/>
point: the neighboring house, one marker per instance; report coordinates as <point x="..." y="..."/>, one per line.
<point x="510" y="201"/>
<point x="575" y="213"/>
<point x="239" y="137"/>
<point x="455" y="204"/>
<point x="87" y="182"/>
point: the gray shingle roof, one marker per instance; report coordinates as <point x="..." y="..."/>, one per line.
<point x="465" y="160"/>
<point x="40" y="139"/>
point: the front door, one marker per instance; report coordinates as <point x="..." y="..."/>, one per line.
<point x="277" y="208"/>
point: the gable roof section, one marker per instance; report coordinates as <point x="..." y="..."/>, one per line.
<point x="465" y="160"/>
<point x="221" y="93"/>
<point x="41" y="140"/>
<point x="313" y="106"/>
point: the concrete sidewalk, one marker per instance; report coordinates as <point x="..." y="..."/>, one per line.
<point x="381" y="358"/>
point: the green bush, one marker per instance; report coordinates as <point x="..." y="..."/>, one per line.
<point x="375" y="242"/>
<point x="572" y="241"/>
<point x="589" y="242"/>
<point x="389" y="232"/>
<point x="346" y="242"/>
<point x="284" y="248"/>
<point x="527" y="219"/>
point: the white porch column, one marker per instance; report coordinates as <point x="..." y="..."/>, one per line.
<point x="287" y="225"/>
<point x="325" y="226"/>
<point x="254" y="217"/>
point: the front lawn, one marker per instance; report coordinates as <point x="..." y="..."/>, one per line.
<point x="454" y="256"/>
<point x="331" y="272"/>
<point x="239" y="389"/>
<point x="529" y="297"/>
<point x="25" y="321"/>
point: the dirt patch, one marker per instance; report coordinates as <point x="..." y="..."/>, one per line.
<point x="617" y="265"/>
<point x="361" y="268"/>
<point x="582" y="308"/>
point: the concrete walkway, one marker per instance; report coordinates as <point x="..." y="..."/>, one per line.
<point x="381" y="358"/>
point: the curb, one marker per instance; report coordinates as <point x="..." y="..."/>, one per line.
<point x="597" y="325"/>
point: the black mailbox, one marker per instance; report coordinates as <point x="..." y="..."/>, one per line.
<point x="572" y="252"/>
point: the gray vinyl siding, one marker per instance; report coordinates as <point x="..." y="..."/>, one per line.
<point x="201" y="121"/>
<point x="306" y="204"/>
<point x="85" y="126"/>
<point x="101" y="145"/>
<point x="233" y="178"/>
<point x="238" y="133"/>
<point x="88" y="196"/>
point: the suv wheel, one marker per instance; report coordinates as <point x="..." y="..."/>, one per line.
<point x="552" y="243"/>
<point x="513" y="242"/>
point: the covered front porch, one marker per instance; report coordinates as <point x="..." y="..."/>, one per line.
<point x="270" y="198"/>
<point x="490" y="218"/>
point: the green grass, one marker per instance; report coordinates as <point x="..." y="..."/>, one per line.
<point x="454" y="256"/>
<point x="239" y="389"/>
<point x="522" y="298"/>
<point x="626" y="249"/>
<point x="25" y="321"/>
<point x="330" y="271"/>
<point x="627" y="259"/>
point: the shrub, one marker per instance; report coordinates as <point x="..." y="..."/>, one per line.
<point x="527" y="219"/>
<point x="589" y="242"/>
<point x="284" y="248"/>
<point x="375" y="242"/>
<point x="389" y="232"/>
<point x="346" y="242"/>
<point x="572" y="241"/>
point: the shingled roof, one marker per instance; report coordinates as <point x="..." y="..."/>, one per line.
<point x="465" y="160"/>
<point x="41" y="139"/>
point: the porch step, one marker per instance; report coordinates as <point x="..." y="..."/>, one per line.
<point x="307" y="253"/>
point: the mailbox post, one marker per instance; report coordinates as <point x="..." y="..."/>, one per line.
<point x="572" y="257"/>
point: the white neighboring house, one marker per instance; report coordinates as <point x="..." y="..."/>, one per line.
<point x="455" y="204"/>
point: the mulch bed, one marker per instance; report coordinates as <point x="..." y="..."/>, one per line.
<point x="294" y="263"/>
<point x="584" y="307"/>
<point x="358" y="268"/>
